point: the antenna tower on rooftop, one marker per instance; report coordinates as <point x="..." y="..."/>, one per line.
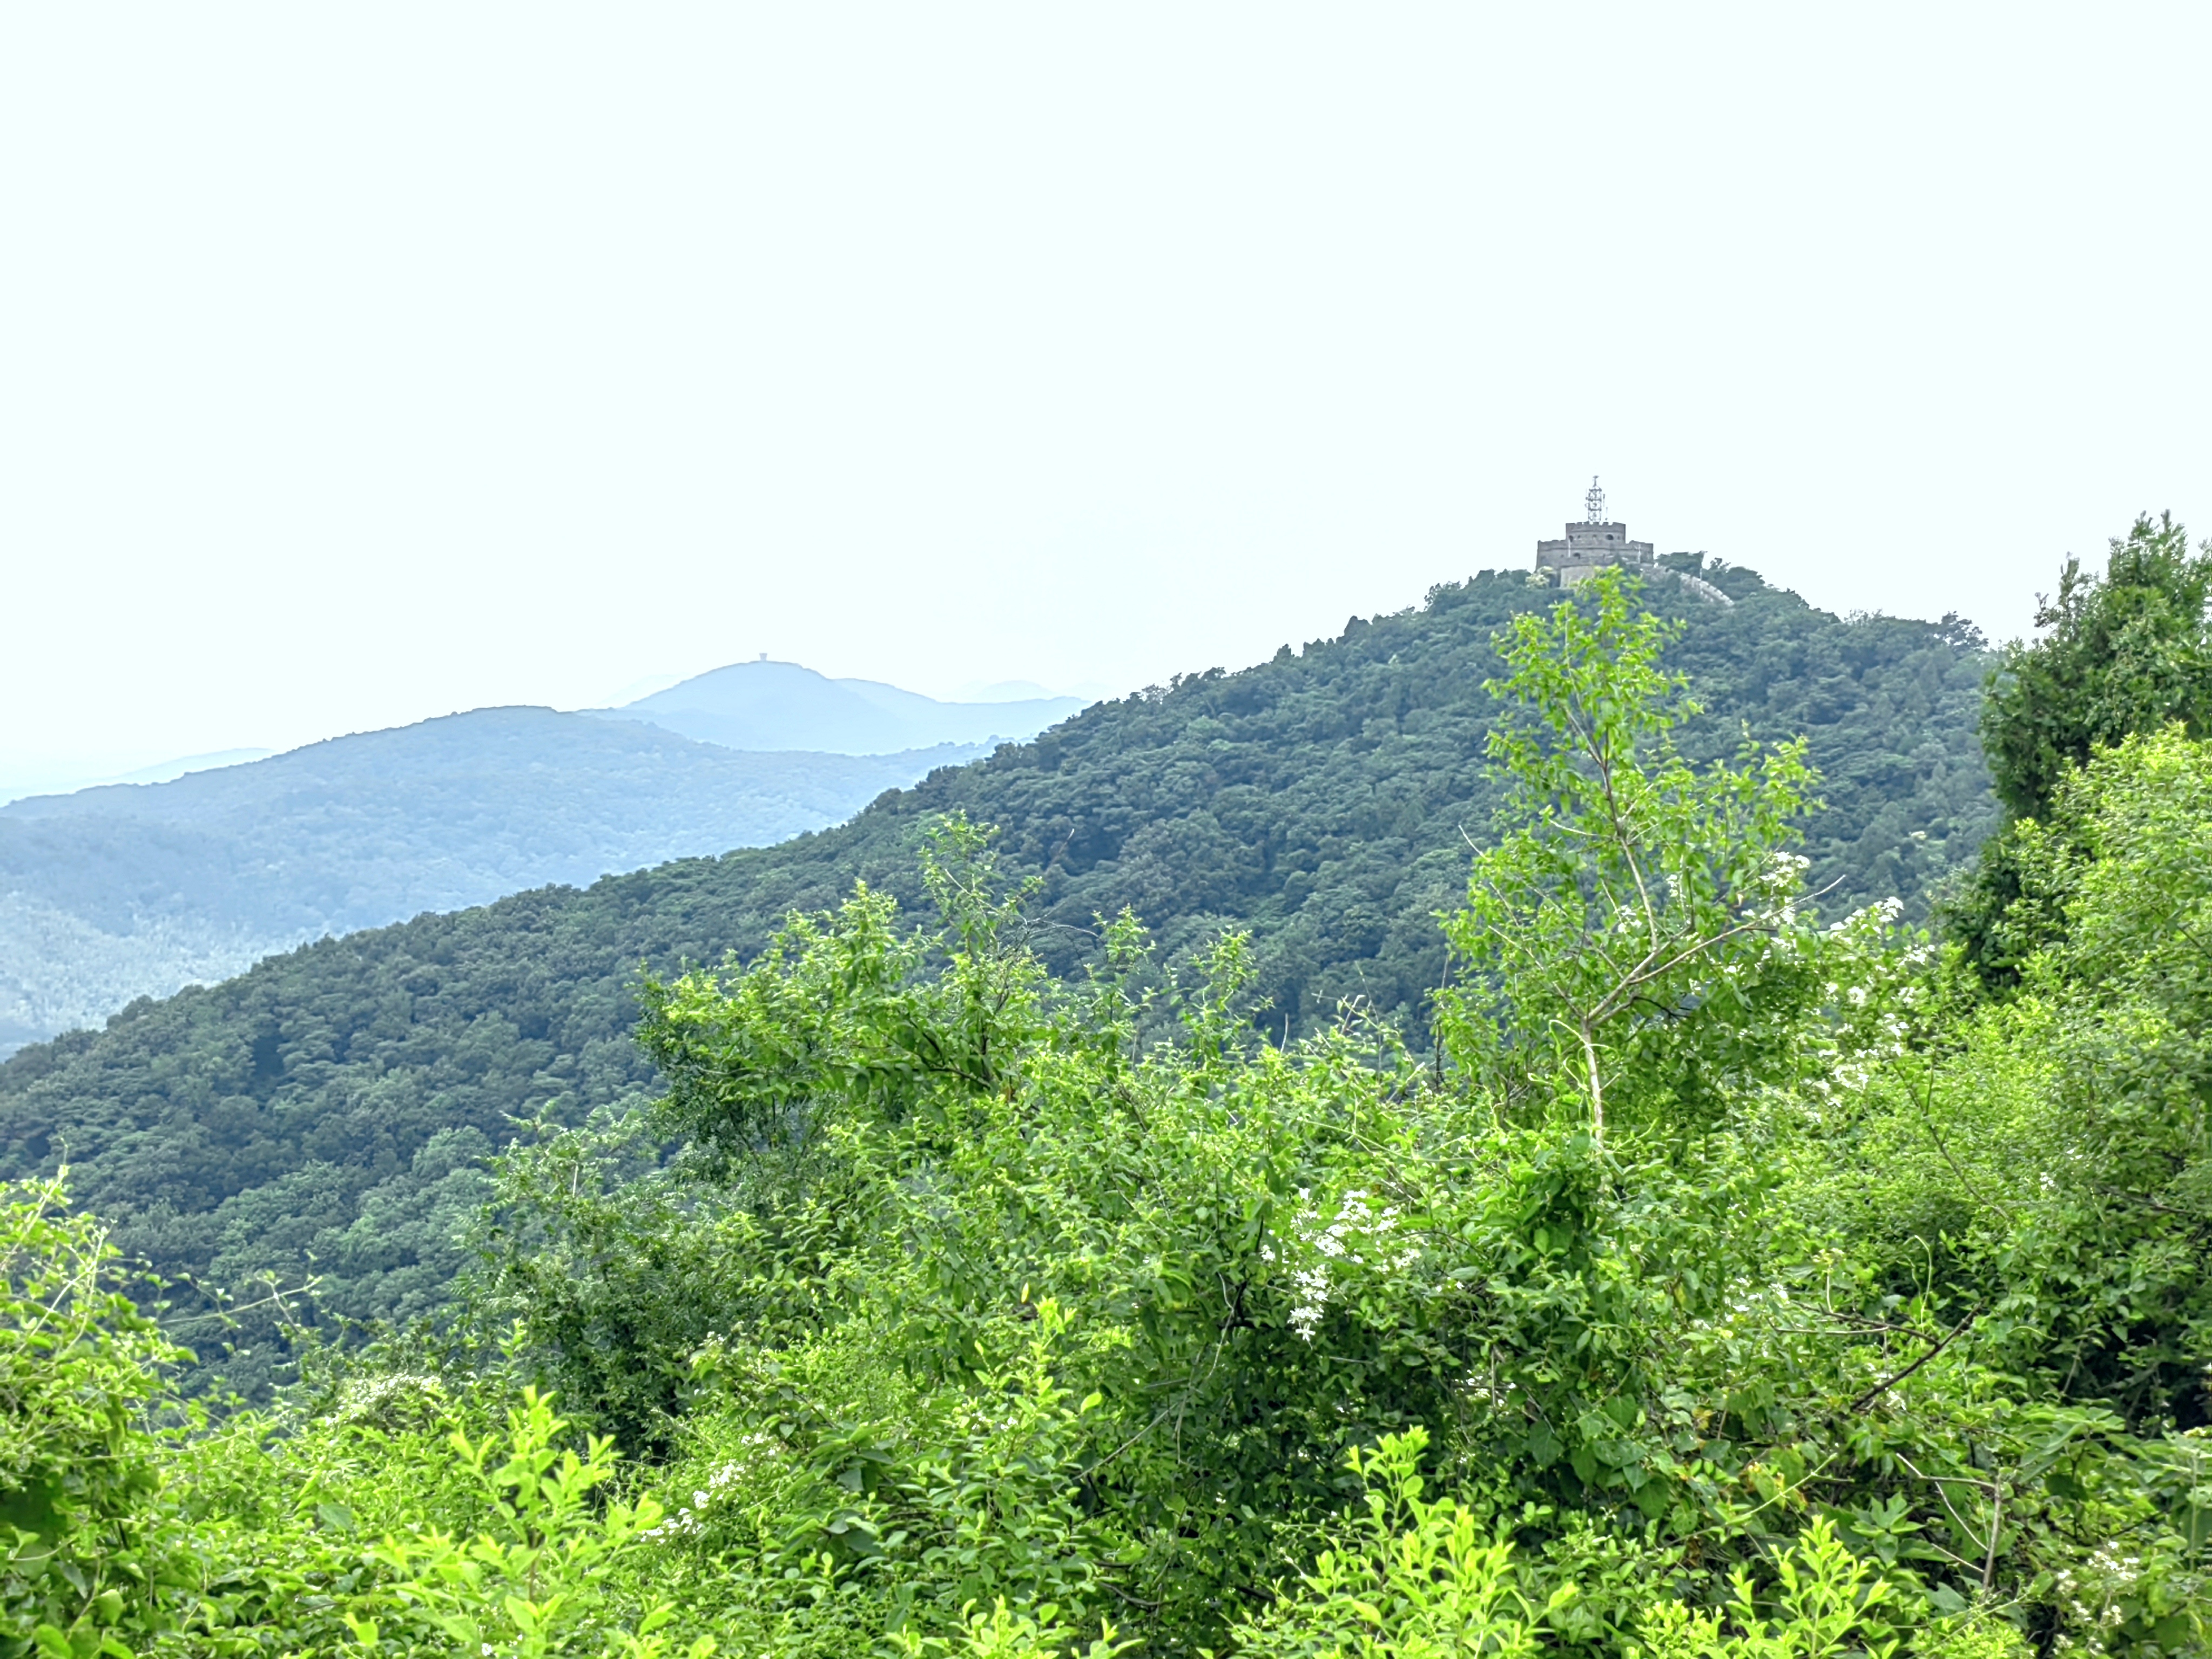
<point x="1594" y="501"/>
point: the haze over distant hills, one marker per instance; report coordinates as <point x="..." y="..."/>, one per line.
<point x="67" y="776"/>
<point x="769" y="706"/>
<point x="125" y="890"/>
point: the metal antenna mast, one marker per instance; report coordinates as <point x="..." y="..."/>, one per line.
<point x="1594" y="501"/>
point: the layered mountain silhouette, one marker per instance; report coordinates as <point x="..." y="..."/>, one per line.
<point x="135" y="889"/>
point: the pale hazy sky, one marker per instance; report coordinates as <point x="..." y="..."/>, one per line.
<point x="362" y="364"/>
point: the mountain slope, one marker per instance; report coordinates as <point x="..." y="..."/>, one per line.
<point x="131" y="890"/>
<point x="330" y="1103"/>
<point x="781" y="705"/>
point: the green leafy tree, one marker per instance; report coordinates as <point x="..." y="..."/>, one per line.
<point x="2121" y="1000"/>
<point x="838" y="1019"/>
<point x="2127" y="652"/>
<point x="1635" y="921"/>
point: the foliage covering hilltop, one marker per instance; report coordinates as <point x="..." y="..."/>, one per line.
<point x="337" y="1103"/>
<point x="1729" y="1282"/>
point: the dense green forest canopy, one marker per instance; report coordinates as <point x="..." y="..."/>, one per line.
<point x="1728" y="1279"/>
<point x="334" y="1106"/>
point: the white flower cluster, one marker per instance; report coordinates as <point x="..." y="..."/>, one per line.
<point x="687" y="1522"/>
<point x="1779" y="881"/>
<point x="1359" y="1236"/>
<point x="1874" y="984"/>
<point x="2104" y="1580"/>
<point x="390" y="1400"/>
<point x="1746" y="1310"/>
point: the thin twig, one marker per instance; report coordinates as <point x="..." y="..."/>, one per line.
<point x="1881" y="1388"/>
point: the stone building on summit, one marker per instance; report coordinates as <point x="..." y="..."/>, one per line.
<point x="1590" y="546"/>
<point x="1598" y="542"/>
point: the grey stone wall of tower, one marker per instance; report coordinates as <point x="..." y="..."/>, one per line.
<point x="1587" y="548"/>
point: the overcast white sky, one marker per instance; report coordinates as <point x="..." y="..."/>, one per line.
<point x="362" y="364"/>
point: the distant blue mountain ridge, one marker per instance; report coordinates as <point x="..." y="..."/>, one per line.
<point x="781" y="705"/>
<point x="125" y="890"/>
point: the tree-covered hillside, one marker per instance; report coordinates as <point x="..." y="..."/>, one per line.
<point x="128" y="890"/>
<point x="330" y="1107"/>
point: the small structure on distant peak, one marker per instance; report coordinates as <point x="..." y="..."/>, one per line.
<point x="1592" y="545"/>
<point x="1599" y="543"/>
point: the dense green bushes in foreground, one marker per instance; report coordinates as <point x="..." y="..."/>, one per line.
<point x="1728" y="1284"/>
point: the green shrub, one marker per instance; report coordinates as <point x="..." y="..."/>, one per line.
<point x="535" y="1583"/>
<point x="88" y="1552"/>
